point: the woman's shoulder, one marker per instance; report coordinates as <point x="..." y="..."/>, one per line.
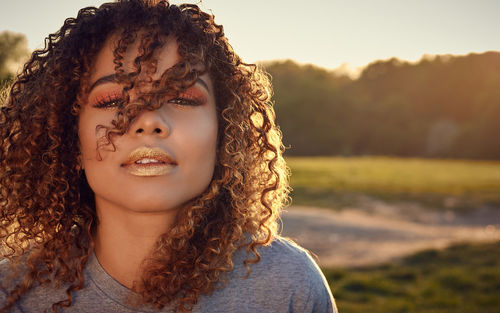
<point x="5" y="279"/>
<point x="285" y="277"/>
<point x="4" y="265"/>
<point x="11" y="272"/>
<point x="283" y="256"/>
<point x="284" y="250"/>
<point x="284" y="259"/>
<point x="5" y="276"/>
<point x="11" y="275"/>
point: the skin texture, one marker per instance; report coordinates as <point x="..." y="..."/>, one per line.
<point x="133" y="210"/>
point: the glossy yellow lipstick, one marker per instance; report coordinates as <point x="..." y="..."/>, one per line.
<point x="145" y="161"/>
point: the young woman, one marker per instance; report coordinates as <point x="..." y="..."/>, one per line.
<point x="141" y="170"/>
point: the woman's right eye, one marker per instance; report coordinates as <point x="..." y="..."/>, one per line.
<point x="107" y="102"/>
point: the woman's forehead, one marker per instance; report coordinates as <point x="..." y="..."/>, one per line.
<point x="165" y="57"/>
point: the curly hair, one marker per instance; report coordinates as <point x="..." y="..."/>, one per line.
<point x="48" y="215"/>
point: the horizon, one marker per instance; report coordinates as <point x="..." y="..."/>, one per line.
<point x="354" y="73"/>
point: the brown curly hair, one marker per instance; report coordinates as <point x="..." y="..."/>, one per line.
<point x="48" y="215"/>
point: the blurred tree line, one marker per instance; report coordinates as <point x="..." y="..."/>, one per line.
<point x="442" y="106"/>
<point x="13" y="53"/>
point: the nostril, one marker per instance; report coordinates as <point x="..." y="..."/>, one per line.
<point x="140" y="130"/>
<point x="157" y="130"/>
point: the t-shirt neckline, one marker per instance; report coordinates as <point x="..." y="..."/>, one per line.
<point x="110" y="287"/>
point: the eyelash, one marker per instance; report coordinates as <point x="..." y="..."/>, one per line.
<point x="112" y="102"/>
<point x="185" y="101"/>
<point x="107" y="102"/>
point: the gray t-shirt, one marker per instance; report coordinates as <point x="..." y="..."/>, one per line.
<point x="285" y="280"/>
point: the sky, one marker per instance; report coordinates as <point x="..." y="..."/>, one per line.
<point x="329" y="33"/>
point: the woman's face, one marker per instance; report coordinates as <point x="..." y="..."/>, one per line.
<point x="167" y="156"/>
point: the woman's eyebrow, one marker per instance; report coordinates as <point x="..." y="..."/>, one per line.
<point x="112" y="78"/>
<point x="203" y="83"/>
<point x="102" y="80"/>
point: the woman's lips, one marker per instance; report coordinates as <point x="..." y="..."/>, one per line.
<point x="149" y="169"/>
<point x="145" y="161"/>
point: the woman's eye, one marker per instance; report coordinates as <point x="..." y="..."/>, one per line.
<point x="107" y="103"/>
<point x="184" y="101"/>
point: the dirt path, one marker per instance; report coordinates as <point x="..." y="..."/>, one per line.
<point x="354" y="237"/>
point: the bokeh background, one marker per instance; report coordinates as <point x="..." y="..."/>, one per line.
<point x="390" y="112"/>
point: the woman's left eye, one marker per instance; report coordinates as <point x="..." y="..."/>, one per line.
<point x="107" y="102"/>
<point x="184" y="101"/>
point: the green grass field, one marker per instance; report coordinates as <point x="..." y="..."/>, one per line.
<point x="336" y="181"/>
<point x="462" y="278"/>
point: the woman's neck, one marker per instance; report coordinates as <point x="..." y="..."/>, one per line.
<point x="125" y="238"/>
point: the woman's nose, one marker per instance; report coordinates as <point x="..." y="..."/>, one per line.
<point x="150" y="123"/>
